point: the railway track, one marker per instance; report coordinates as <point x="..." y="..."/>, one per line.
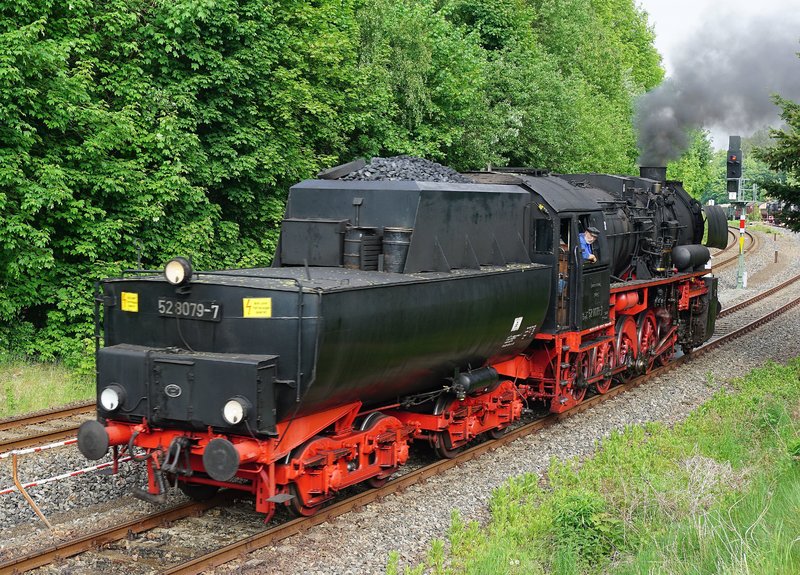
<point x="751" y="244"/>
<point x="11" y="428"/>
<point x="282" y="531"/>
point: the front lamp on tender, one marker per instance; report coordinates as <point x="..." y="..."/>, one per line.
<point x="235" y="410"/>
<point x="112" y="397"/>
<point x="178" y="271"/>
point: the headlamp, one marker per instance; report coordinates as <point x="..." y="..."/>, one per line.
<point x="112" y="397"/>
<point x="235" y="410"/>
<point x="178" y="271"/>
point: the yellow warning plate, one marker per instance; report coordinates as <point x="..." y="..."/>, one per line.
<point x="129" y="301"/>
<point x="257" y="307"/>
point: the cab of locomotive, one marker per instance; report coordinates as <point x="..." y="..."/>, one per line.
<point x="580" y="286"/>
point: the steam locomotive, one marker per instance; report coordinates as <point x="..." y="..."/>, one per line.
<point x="396" y="312"/>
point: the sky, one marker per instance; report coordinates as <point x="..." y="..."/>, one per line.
<point x="683" y="26"/>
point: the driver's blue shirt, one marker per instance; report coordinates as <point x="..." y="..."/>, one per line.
<point x="586" y="247"/>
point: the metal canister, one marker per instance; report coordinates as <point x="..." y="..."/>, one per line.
<point x="395" y="248"/>
<point x="361" y="249"/>
<point x="352" y="248"/>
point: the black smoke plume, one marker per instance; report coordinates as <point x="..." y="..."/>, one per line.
<point x="724" y="77"/>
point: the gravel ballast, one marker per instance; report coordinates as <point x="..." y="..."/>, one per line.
<point x="361" y="542"/>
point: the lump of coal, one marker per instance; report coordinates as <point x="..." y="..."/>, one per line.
<point x="406" y="168"/>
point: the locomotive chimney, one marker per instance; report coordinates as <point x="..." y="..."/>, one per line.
<point x="658" y="173"/>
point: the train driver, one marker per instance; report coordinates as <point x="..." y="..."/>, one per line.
<point x="587" y="238"/>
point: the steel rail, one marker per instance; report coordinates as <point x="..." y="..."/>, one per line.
<point x="45" y="416"/>
<point x="757" y="298"/>
<point x="752" y="246"/>
<point x="99" y="538"/>
<point x="69" y="432"/>
<point x="31" y="440"/>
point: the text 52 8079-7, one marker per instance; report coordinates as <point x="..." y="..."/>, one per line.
<point x="205" y="310"/>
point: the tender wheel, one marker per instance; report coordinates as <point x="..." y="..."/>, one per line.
<point x="198" y="491"/>
<point x="297" y="506"/>
<point x="377" y="483"/>
<point x="369" y="422"/>
<point x="497" y="433"/>
<point x="444" y="446"/>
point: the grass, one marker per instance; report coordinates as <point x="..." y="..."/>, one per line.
<point x="718" y="493"/>
<point x="26" y="386"/>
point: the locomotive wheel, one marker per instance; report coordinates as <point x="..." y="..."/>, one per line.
<point x="625" y="356"/>
<point x="583" y="371"/>
<point x="604" y="361"/>
<point x="577" y="394"/>
<point x="198" y="491"/>
<point x="297" y="506"/>
<point x="497" y="432"/>
<point x="666" y="356"/>
<point x="648" y="339"/>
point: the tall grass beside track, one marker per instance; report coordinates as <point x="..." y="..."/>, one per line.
<point x="27" y="386"/>
<point x="718" y="493"/>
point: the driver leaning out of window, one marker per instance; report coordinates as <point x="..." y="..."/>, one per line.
<point x="587" y="238"/>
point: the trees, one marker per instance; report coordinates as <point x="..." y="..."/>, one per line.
<point x="132" y="131"/>
<point x="695" y="167"/>
<point x="136" y="130"/>
<point x="784" y="158"/>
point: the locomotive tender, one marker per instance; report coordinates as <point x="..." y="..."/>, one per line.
<point x="396" y="311"/>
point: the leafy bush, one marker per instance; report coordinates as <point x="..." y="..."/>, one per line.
<point x="134" y="130"/>
<point x="584" y="526"/>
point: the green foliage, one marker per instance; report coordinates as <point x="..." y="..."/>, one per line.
<point x="426" y="85"/>
<point x="31" y="387"/>
<point x="794" y="448"/>
<point x="584" y="527"/>
<point x="133" y="131"/>
<point x="141" y="130"/>
<point x="695" y="167"/>
<point x="783" y="157"/>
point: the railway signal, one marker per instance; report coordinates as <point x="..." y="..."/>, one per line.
<point x="734" y="171"/>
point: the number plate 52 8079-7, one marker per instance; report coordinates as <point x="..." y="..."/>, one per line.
<point x="205" y="310"/>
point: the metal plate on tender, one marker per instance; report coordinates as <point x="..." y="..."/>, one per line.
<point x="202" y="310"/>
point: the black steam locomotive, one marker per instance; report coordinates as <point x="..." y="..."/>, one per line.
<point x="397" y="311"/>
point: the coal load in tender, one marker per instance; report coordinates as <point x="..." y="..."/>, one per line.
<point x="406" y="168"/>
